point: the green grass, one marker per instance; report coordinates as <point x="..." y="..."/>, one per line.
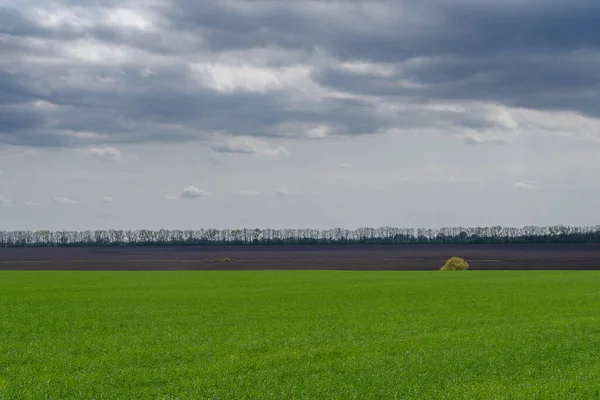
<point x="286" y="335"/>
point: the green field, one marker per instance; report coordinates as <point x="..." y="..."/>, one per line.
<point x="303" y="334"/>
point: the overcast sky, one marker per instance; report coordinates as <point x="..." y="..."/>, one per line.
<point x="198" y="114"/>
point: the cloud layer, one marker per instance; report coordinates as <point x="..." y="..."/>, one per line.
<point x="84" y="74"/>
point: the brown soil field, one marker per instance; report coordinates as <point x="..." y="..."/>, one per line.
<point x="305" y="257"/>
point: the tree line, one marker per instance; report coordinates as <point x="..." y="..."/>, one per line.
<point x="383" y="235"/>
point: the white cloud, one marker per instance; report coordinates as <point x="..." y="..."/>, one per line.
<point x="147" y="72"/>
<point x="346" y="165"/>
<point x="501" y="117"/>
<point x="318" y="132"/>
<point x="568" y="124"/>
<point x="485" y="138"/>
<point x="375" y="69"/>
<point x="5" y="201"/>
<point x="95" y="52"/>
<point x="306" y="130"/>
<point x="43" y="105"/>
<point x="526" y="186"/>
<point x="249" y="193"/>
<point x="107" y="199"/>
<point x="170" y="197"/>
<point x="192" y="192"/>
<point x="109" y="153"/>
<point x="64" y="201"/>
<point x="31" y="204"/>
<point x="288" y="192"/>
<point x="128" y="18"/>
<point x="248" y="145"/>
<point x="251" y="78"/>
<point x="57" y="17"/>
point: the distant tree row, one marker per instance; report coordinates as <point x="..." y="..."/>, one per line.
<point x="383" y="235"/>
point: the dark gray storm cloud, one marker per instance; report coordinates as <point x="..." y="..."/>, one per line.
<point x="393" y="30"/>
<point x="71" y="74"/>
<point x="540" y="81"/>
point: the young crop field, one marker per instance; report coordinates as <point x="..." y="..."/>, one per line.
<point x="299" y="334"/>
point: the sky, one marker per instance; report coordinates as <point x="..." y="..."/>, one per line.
<point x="202" y="114"/>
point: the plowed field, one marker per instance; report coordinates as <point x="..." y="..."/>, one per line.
<point x="299" y="257"/>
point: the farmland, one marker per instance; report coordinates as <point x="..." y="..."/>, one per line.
<point x="299" y="334"/>
<point x="554" y="256"/>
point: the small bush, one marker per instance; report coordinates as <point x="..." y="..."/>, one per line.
<point x="455" y="264"/>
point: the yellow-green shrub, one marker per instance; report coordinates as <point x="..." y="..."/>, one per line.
<point x="455" y="264"/>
